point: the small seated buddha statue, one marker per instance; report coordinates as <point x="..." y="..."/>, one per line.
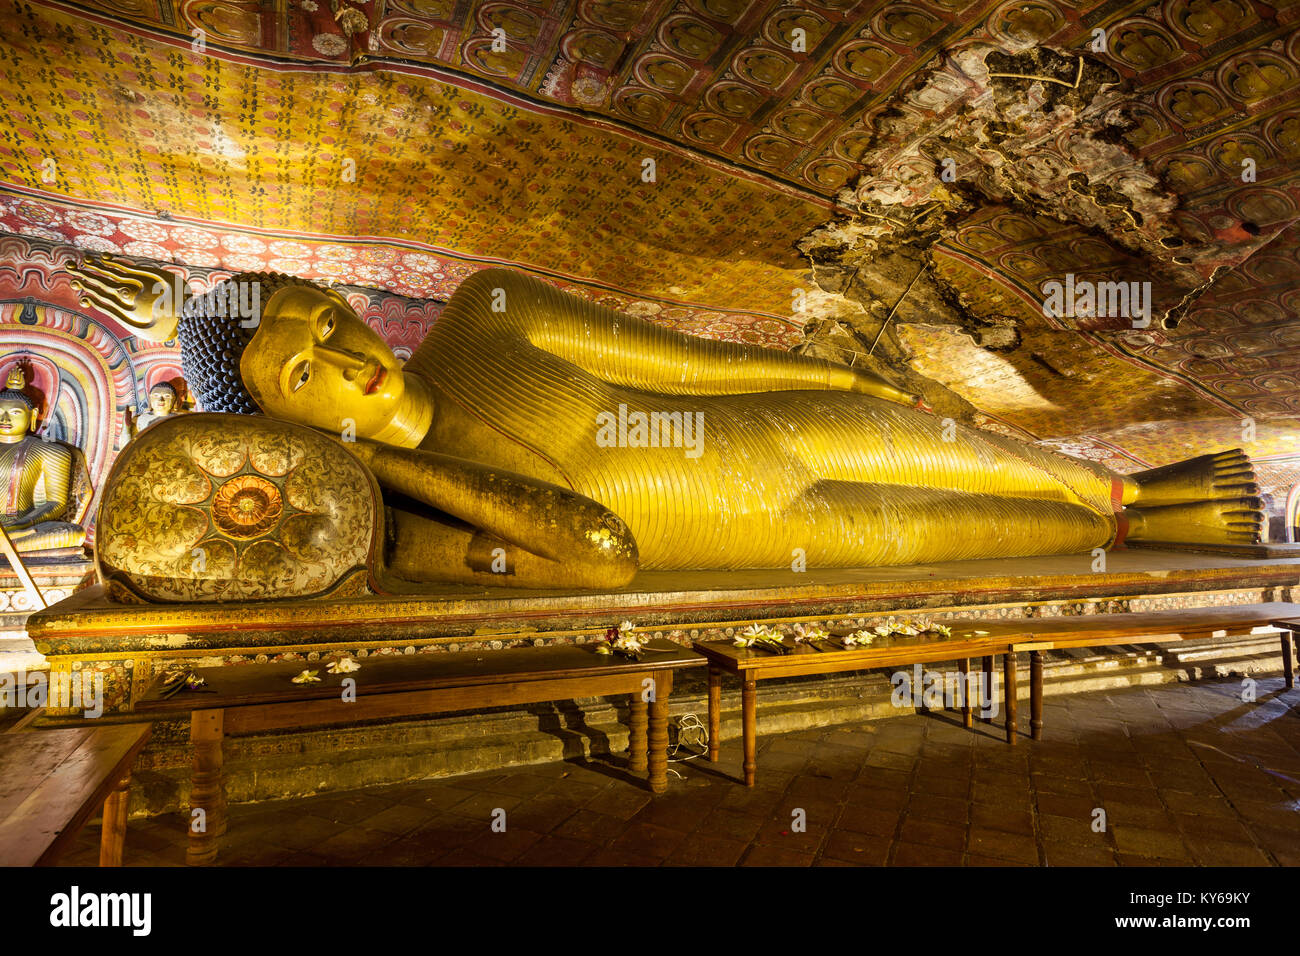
<point x="163" y="403"/>
<point x="36" y="478"/>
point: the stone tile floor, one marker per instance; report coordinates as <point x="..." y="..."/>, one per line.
<point x="1184" y="773"/>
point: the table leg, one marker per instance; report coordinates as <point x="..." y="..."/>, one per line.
<point x="112" y="839"/>
<point x="1288" y="670"/>
<point x="715" y="713"/>
<point x="965" y="693"/>
<point x="207" y="790"/>
<point x="1036" y="695"/>
<point x="658" y="746"/>
<point x="636" y="734"/>
<point x="749" y="723"/>
<point x="1009" y="691"/>
<point x="988" y="685"/>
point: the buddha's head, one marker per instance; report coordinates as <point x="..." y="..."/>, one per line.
<point x="16" y="415"/>
<point x="307" y="358"/>
<point x="162" y="399"/>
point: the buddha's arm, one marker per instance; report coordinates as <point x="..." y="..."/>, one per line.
<point x="40" y="511"/>
<point x="52" y="490"/>
<point x="631" y="352"/>
<point x="50" y="495"/>
<point x="565" y="529"/>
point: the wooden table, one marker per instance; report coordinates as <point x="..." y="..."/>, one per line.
<point x="1155" y="627"/>
<point x="969" y="639"/>
<point x="1290" y="626"/>
<point x="53" y="781"/>
<point x="258" y="697"/>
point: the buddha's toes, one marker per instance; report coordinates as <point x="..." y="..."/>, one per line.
<point x="1225" y="476"/>
<point x="1225" y="521"/>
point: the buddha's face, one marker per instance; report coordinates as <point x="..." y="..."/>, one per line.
<point x="162" y="401"/>
<point x="313" y="361"/>
<point x="15" y="421"/>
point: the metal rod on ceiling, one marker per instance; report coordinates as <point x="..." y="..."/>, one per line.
<point x="1078" y="77"/>
<point x="884" y="324"/>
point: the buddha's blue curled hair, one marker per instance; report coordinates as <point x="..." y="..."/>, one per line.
<point x="212" y="341"/>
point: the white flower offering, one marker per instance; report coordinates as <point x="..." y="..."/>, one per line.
<point x="623" y="640"/>
<point x="307" y="677"/>
<point x="859" y="638"/>
<point x="762" y="635"/>
<point x="809" y="632"/>
<point x="344" y="665"/>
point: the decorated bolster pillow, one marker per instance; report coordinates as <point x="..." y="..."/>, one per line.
<point x="235" y="508"/>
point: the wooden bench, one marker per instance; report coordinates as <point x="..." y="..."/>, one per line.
<point x="975" y="639"/>
<point x="53" y="781"/>
<point x="1156" y="627"/>
<point x="260" y="697"/>
<point x="968" y="639"/>
<point x="1290" y="627"/>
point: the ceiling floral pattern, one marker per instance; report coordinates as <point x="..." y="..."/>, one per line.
<point x="119" y="116"/>
<point x="409" y="270"/>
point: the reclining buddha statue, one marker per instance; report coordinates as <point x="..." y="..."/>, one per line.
<point x="538" y="440"/>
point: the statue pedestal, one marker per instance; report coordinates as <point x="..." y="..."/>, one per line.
<point x="57" y="577"/>
<point x="57" y="580"/>
<point x="129" y="644"/>
<point x="1258" y="552"/>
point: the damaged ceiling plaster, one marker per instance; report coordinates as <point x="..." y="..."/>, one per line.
<point x="1046" y="136"/>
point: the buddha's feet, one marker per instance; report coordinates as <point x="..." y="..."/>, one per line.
<point x="1226" y="476"/>
<point x="1225" y="521"/>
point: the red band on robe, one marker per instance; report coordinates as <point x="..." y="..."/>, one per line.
<point x="1121" y="531"/>
<point x="1116" y="495"/>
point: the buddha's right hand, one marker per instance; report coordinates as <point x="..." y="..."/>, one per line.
<point x="146" y="300"/>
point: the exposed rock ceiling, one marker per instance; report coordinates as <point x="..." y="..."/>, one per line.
<point x="952" y="155"/>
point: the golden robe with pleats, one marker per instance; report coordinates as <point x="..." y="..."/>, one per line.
<point x="793" y="460"/>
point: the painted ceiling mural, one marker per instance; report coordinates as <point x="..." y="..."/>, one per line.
<point x="695" y="161"/>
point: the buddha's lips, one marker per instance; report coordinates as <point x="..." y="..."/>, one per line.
<point x="376" y="380"/>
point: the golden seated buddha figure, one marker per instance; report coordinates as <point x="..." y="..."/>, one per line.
<point x="163" y="401"/>
<point x="37" y="479"/>
<point x="536" y="439"/>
